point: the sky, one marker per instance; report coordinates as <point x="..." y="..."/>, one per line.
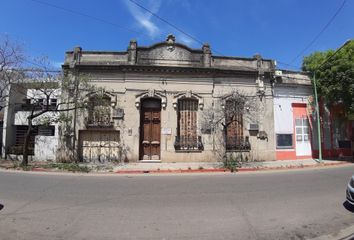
<point x="276" y="29"/>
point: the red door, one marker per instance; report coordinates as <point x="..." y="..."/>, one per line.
<point x="150" y="129"/>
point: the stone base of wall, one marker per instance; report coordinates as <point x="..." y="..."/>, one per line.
<point x="211" y="156"/>
<point x="189" y="156"/>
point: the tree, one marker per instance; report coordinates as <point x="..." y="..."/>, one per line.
<point x="40" y="84"/>
<point x="230" y="114"/>
<point x="11" y="60"/>
<point x="335" y="78"/>
<point x="45" y="85"/>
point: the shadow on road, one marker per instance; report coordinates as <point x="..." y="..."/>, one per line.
<point x="348" y="206"/>
<point x="1" y="206"/>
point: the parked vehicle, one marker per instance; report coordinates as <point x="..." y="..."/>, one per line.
<point x="350" y="191"/>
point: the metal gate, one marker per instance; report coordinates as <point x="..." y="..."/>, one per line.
<point x="99" y="146"/>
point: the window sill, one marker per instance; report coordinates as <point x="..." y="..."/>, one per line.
<point x="238" y="150"/>
<point x="285" y="149"/>
<point x="188" y="151"/>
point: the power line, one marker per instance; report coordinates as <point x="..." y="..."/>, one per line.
<point x="181" y="30"/>
<point x="335" y="53"/>
<point x="287" y="64"/>
<point x="320" y="33"/>
<point x="167" y="22"/>
<point x="88" y="16"/>
<point x="129" y="29"/>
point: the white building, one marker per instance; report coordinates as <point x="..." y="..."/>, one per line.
<point x="22" y="101"/>
<point x="292" y="120"/>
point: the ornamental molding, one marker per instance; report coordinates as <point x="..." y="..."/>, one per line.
<point x="104" y="93"/>
<point x="188" y="95"/>
<point x="151" y="93"/>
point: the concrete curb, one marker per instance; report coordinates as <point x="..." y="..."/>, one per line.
<point x="191" y="171"/>
<point x="250" y="169"/>
<point x="172" y="171"/>
<point x="41" y="170"/>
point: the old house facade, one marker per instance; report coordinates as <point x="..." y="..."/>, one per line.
<point x="24" y="100"/>
<point x="160" y="104"/>
<point x="293" y="115"/>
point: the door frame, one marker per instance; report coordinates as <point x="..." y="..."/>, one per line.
<point x="299" y="112"/>
<point x="141" y="128"/>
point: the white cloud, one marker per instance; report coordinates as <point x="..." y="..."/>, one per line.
<point x="186" y="40"/>
<point x="143" y="17"/>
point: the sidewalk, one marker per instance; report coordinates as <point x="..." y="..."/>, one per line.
<point x="218" y="167"/>
<point x="191" y="167"/>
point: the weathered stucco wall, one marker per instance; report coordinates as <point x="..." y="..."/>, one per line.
<point x="167" y="69"/>
<point x="45" y="148"/>
<point x="211" y="89"/>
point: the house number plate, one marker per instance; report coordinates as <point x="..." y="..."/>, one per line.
<point x="166" y="131"/>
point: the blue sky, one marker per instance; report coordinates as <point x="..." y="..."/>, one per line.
<point x="277" y="29"/>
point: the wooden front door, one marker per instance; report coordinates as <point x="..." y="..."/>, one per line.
<point x="150" y="129"/>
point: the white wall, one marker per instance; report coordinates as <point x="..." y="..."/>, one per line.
<point x="283" y="112"/>
<point x="45" y="148"/>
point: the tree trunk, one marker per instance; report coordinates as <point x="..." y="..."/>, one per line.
<point x="26" y="143"/>
<point x="225" y="142"/>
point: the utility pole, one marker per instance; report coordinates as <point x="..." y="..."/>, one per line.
<point x="318" y="119"/>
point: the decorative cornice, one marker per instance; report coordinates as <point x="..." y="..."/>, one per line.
<point x="163" y="69"/>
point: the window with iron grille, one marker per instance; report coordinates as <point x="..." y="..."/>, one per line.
<point x="187" y="138"/>
<point x="99" y="114"/>
<point x="234" y="126"/>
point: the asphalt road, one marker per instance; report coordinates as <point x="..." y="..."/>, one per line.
<point x="297" y="204"/>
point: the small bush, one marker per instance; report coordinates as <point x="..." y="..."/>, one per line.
<point x="232" y="162"/>
<point x="73" y="167"/>
<point x="70" y="167"/>
<point x="27" y="168"/>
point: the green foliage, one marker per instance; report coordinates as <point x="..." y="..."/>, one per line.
<point x="71" y="167"/>
<point x="335" y="78"/>
<point x="232" y="161"/>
